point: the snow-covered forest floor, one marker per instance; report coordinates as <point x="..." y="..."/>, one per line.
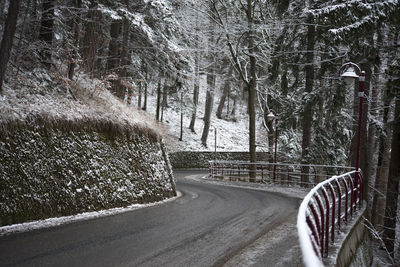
<point x="40" y="93"/>
<point x="232" y="135"/>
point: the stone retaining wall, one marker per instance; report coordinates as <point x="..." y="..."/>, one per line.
<point x="199" y="160"/>
<point x="50" y="172"/>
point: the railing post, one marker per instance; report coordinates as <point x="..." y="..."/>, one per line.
<point x="317" y="219"/>
<point x="262" y="172"/>
<point x="340" y="202"/>
<point x="333" y="211"/>
<point x="326" y="220"/>
<point x="361" y="193"/>
<point x="346" y="186"/>
<point x="322" y="215"/>
<point x="352" y="194"/>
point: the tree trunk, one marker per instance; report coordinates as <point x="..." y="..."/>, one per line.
<point x="34" y="23"/>
<point x="158" y="101"/>
<point x="90" y="39"/>
<point x="379" y="196"/>
<point x="210" y="84"/>
<point x="165" y="93"/>
<point x="113" y="58"/>
<point x="308" y="109"/>
<point x="225" y="92"/>
<point x="372" y="144"/>
<point x="181" y="130"/>
<point x="364" y="164"/>
<point x="8" y="37"/>
<point x="383" y="143"/>
<point x="124" y="58"/>
<point x="233" y="113"/>
<point x="74" y="52"/>
<point x="2" y="4"/>
<point x="389" y="231"/>
<point x="196" y="90"/>
<point x="251" y="86"/>
<point x="164" y="102"/>
<point x="208" y="104"/>
<point x="139" y="104"/>
<point x="146" y="85"/>
<point x="46" y="31"/>
<point x="22" y="33"/>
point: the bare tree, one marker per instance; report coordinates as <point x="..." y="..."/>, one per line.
<point x="225" y="92"/>
<point x="46" y="31"/>
<point x="389" y="230"/>
<point x="158" y="106"/>
<point x="308" y="108"/>
<point x="76" y="32"/>
<point x="196" y="86"/>
<point x="91" y="39"/>
<point x="210" y="82"/>
<point x="8" y="37"/>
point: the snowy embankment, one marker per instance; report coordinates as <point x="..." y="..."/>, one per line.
<point x="63" y="156"/>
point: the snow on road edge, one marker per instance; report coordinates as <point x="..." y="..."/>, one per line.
<point x="52" y="222"/>
<point x="290" y="191"/>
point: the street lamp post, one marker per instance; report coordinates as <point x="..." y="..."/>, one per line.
<point x="215" y="145"/>
<point x="276" y="145"/>
<point x="351" y="71"/>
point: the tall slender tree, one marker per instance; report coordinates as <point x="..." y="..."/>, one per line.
<point x="225" y="92"/>
<point x="46" y="31"/>
<point x="75" y="43"/>
<point x="392" y="195"/>
<point x="7" y="39"/>
<point x="308" y="107"/>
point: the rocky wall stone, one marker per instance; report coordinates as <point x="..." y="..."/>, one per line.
<point x="199" y="160"/>
<point x="50" y="172"/>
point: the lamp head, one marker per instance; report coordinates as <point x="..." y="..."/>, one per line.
<point x="271" y="116"/>
<point x="350" y="75"/>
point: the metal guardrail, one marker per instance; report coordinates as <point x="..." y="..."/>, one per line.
<point x="284" y="173"/>
<point x="322" y="212"/>
<point x="332" y="201"/>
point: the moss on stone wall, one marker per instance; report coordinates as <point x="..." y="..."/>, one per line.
<point x="57" y="169"/>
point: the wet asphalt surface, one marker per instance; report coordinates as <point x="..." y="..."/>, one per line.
<point x="210" y="225"/>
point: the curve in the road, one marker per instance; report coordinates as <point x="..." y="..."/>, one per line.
<point x="209" y="225"/>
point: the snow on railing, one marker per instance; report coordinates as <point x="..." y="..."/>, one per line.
<point x="284" y="173"/>
<point x="327" y="205"/>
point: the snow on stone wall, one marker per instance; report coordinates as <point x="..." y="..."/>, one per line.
<point x="48" y="172"/>
<point x="200" y="159"/>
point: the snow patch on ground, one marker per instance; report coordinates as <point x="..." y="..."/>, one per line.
<point x="290" y="191"/>
<point x="52" y="222"/>
<point x="231" y="135"/>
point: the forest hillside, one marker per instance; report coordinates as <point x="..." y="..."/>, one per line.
<point x="258" y="73"/>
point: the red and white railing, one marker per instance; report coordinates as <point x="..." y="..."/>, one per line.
<point x="284" y="173"/>
<point x="322" y="212"/>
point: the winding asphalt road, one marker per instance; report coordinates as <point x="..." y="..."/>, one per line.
<point x="210" y="225"/>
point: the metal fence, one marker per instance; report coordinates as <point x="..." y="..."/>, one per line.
<point x="284" y="173"/>
<point x="322" y="212"/>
